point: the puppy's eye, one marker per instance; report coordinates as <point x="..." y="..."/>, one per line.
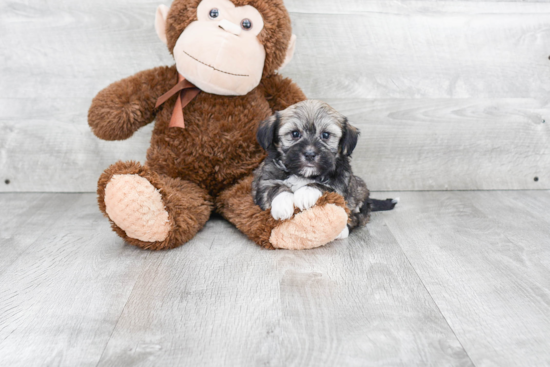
<point x="325" y="135"/>
<point x="246" y="24"/>
<point x="296" y="134"/>
<point x="214" y="13"/>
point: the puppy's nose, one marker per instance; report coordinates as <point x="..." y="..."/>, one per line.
<point x="310" y="155"/>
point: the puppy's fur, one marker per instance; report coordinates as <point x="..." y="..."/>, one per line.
<point x="309" y="147"/>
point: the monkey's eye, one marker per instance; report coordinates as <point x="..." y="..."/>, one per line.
<point x="296" y="134"/>
<point x="325" y="135"/>
<point x="214" y="13"/>
<point x="246" y="24"/>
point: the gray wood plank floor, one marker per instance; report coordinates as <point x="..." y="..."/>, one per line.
<point x="447" y="279"/>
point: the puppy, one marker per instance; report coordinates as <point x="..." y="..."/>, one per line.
<point x="309" y="147"/>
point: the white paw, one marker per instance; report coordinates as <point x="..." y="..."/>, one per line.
<point x="343" y="234"/>
<point x="282" y="207"/>
<point x="306" y="197"/>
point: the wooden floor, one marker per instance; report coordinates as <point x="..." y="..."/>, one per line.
<point x="447" y="279"/>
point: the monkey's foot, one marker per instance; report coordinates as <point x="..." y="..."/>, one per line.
<point x="149" y="210"/>
<point x="314" y="227"/>
<point x="136" y="206"/>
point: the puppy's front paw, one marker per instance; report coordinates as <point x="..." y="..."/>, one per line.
<point x="282" y="207"/>
<point x="306" y="197"/>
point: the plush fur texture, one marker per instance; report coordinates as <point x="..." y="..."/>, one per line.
<point x="137" y="207"/>
<point x="322" y="224"/>
<point x="188" y="205"/>
<point x="210" y="162"/>
<point x="307" y="232"/>
<point x="275" y="36"/>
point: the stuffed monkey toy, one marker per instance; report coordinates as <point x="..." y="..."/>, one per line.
<point x="207" y="108"/>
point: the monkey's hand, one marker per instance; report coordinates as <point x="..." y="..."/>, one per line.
<point x="129" y="104"/>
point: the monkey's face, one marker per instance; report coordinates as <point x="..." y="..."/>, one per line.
<point x="308" y="137"/>
<point x="220" y="52"/>
<point x="226" y="46"/>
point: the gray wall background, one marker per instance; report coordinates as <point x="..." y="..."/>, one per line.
<point x="449" y="95"/>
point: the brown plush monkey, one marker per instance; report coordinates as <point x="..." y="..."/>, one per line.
<point x="203" y="148"/>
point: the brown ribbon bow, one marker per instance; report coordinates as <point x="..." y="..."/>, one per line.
<point x="187" y="91"/>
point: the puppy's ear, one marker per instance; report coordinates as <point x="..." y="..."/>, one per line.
<point x="349" y="138"/>
<point x="267" y="132"/>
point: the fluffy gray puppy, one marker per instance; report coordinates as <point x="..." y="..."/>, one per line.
<point x="309" y="147"/>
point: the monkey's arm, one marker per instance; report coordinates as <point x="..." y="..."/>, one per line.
<point x="281" y="92"/>
<point x="129" y="104"/>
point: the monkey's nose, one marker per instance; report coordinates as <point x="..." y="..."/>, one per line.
<point x="230" y="27"/>
<point x="310" y="155"/>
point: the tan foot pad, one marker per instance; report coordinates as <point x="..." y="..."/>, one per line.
<point x="136" y="206"/>
<point x="311" y="228"/>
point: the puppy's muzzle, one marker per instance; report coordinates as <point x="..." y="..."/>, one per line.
<point x="310" y="155"/>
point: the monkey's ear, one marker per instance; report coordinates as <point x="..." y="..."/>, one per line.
<point x="349" y="138"/>
<point x="289" y="51"/>
<point x="267" y="131"/>
<point x="160" y="22"/>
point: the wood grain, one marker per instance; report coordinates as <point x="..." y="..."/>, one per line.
<point x="405" y="144"/>
<point x="358" y="302"/>
<point x="220" y="300"/>
<point x="451" y="144"/>
<point x="53" y="149"/>
<point x="484" y="258"/>
<point x="383" y="49"/>
<point x="60" y="299"/>
<point x="214" y="301"/>
<point x="67" y="49"/>
<point x="448" y="278"/>
<point x="353" y="6"/>
<point x="57" y="56"/>
<point x="373" y="49"/>
<point x="30" y="211"/>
